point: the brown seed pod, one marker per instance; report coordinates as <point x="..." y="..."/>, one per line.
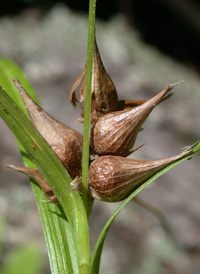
<point x="115" y="133"/>
<point x="37" y="176"/>
<point x="65" y="142"/>
<point x="114" y="178"/>
<point x="104" y="94"/>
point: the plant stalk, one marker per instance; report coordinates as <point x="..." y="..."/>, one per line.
<point x="86" y="134"/>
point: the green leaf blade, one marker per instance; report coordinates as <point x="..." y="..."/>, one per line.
<point x="52" y="170"/>
<point x="56" y="228"/>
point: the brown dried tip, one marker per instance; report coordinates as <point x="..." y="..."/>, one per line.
<point x="115" y="133"/>
<point x="104" y="94"/>
<point x="37" y="176"/>
<point x="63" y="140"/>
<point x="127" y="104"/>
<point x="114" y="178"/>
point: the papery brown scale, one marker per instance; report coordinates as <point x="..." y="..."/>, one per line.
<point x="115" y="133"/>
<point x="104" y="95"/>
<point x="37" y="176"/>
<point x="64" y="141"/>
<point x="114" y="178"/>
<point x="125" y="104"/>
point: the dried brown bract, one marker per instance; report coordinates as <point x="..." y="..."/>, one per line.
<point x="114" y="178"/>
<point x="125" y="104"/>
<point x="104" y="94"/>
<point x="37" y="176"/>
<point x="115" y="133"/>
<point x="65" y="142"/>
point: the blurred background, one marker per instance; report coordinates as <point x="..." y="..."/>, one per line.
<point x="144" y="45"/>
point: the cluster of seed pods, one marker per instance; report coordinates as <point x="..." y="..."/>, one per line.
<point x="114" y="128"/>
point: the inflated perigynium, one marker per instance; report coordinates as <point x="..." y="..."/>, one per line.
<point x="115" y="133"/>
<point x="66" y="142"/>
<point x="104" y="95"/>
<point x="114" y="178"/>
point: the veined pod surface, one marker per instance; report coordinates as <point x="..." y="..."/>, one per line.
<point x="115" y="133"/>
<point x="114" y="178"/>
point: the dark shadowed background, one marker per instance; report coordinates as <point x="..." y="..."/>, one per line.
<point x="144" y="45"/>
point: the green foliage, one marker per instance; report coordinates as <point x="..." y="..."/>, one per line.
<point x="55" y="174"/>
<point x="56" y="228"/>
<point x="25" y="259"/>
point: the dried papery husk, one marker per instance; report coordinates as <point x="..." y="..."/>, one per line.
<point x="125" y="104"/>
<point x="37" y="176"/>
<point x="104" y="95"/>
<point x="115" y="133"/>
<point x="66" y="142"/>
<point x="114" y="178"/>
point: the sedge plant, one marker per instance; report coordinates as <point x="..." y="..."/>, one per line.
<point x="65" y="224"/>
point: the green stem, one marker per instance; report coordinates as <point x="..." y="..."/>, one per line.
<point x="86" y="134"/>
